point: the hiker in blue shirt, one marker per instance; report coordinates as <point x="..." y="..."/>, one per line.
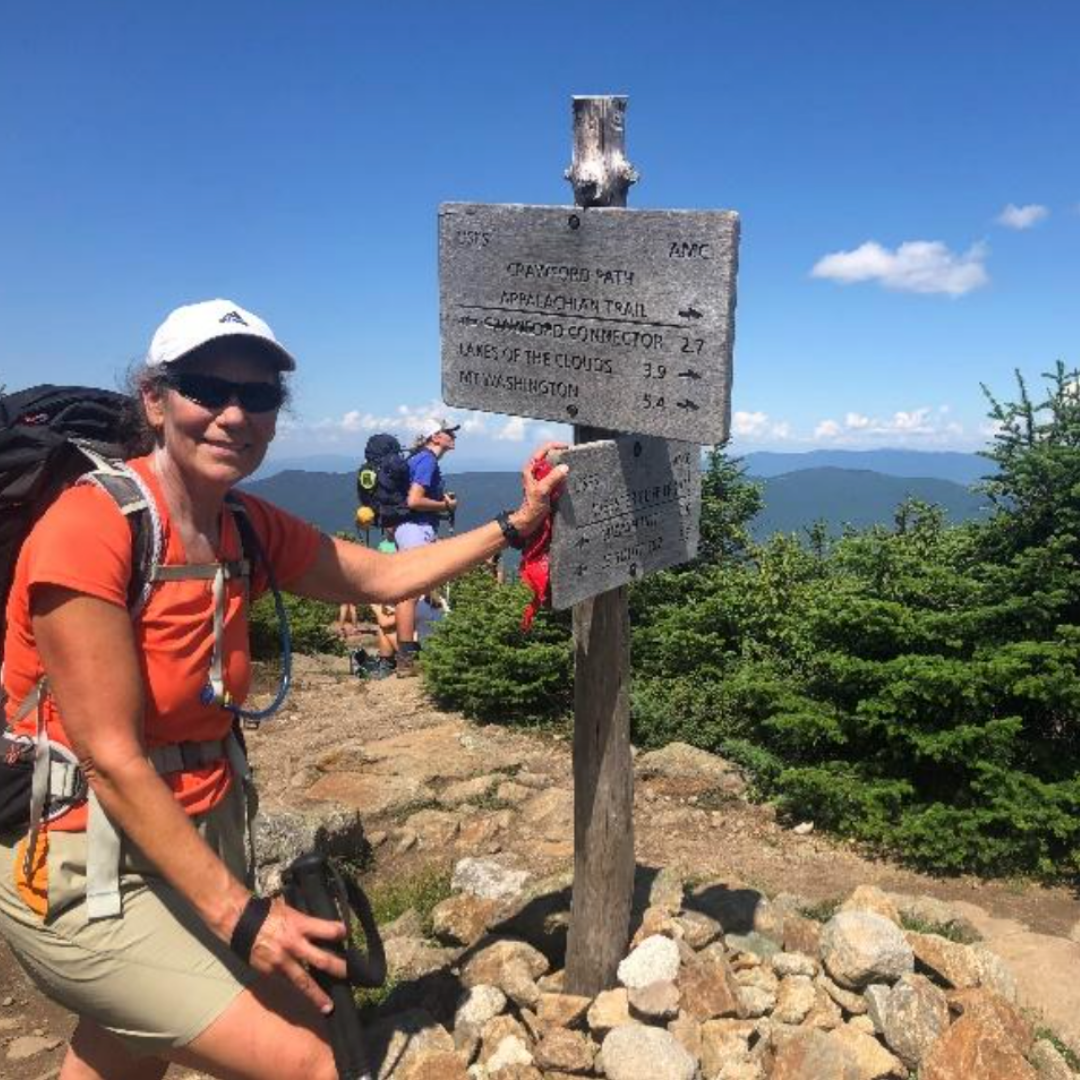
<point x="428" y="502"/>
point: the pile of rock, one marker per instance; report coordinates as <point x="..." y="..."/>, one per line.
<point x="719" y="984"/>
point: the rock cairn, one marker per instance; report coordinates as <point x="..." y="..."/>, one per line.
<point x="719" y="984"/>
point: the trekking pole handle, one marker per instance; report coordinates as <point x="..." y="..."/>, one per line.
<point x="313" y="886"/>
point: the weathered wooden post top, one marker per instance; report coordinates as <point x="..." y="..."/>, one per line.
<point x="620" y="322"/>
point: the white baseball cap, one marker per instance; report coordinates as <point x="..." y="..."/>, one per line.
<point x="194" y="325"/>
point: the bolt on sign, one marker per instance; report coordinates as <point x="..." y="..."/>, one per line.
<point x="612" y="318"/>
<point x="630" y="506"/>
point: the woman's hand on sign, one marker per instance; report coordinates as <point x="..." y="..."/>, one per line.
<point x="536" y="502"/>
<point x="285" y="946"/>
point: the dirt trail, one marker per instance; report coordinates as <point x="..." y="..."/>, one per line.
<point x="383" y="748"/>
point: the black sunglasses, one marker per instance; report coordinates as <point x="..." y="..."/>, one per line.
<point x="215" y="393"/>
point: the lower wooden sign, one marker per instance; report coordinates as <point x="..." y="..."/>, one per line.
<point x="631" y="506"/>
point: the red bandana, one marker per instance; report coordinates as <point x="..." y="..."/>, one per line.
<point x="535" y="559"/>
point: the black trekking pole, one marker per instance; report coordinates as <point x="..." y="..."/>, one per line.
<point x="313" y="886"/>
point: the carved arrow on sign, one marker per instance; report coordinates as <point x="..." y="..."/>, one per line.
<point x="687" y="404"/>
<point x="690" y="312"/>
<point x="689" y="373"/>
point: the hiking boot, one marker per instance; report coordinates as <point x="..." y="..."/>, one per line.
<point x="407" y="659"/>
<point x="382" y="668"/>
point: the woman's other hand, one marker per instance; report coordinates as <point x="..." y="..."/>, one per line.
<point x="536" y="502"/>
<point x="285" y="946"/>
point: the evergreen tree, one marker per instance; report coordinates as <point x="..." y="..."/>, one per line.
<point x="729" y="503"/>
<point x="480" y="661"/>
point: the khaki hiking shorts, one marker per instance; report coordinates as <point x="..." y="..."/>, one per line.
<point x="156" y="977"/>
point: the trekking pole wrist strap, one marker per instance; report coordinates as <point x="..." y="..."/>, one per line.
<point x="248" y="926"/>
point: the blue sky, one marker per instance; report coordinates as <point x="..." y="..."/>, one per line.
<point x="292" y="158"/>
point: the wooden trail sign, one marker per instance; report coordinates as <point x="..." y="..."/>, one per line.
<point x="618" y="322"/>
<point x="630" y="506"/>
<point x="614" y="318"/>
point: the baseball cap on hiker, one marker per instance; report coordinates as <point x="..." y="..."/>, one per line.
<point x="194" y="325"/>
<point x="446" y="429"/>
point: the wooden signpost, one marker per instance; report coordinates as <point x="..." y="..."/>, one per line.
<point x="623" y="321"/>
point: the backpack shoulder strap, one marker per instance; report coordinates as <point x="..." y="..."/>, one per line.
<point x="251" y="549"/>
<point x="250" y="545"/>
<point x="133" y="499"/>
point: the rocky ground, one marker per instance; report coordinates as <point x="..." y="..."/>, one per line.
<point x="374" y="765"/>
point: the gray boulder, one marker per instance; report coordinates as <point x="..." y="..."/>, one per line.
<point x="684" y="762"/>
<point x="656" y="959"/>
<point x="488" y="879"/>
<point x="859" y="948"/>
<point x="636" y="1052"/>
<point x="282" y="835"/>
<point x="915" y="1013"/>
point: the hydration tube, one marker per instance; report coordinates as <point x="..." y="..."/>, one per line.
<point x="252" y="718"/>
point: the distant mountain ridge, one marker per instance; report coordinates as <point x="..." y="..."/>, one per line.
<point x="938" y="464"/>
<point x="329" y="499"/>
<point x="854" y="497"/>
<point x="952" y="465"/>
<point x="793" y="501"/>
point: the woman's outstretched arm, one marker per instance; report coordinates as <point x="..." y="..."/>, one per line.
<point x="345" y="571"/>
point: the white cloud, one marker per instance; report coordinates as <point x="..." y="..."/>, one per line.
<point x="407" y="422"/>
<point x="512" y="431"/>
<point x="922" y="425"/>
<point x="1022" y="217"/>
<point x="749" y="423"/>
<point x="488" y="440"/>
<point x="759" y="425"/>
<point x="908" y="422"/>
<point x="920" y="266"/>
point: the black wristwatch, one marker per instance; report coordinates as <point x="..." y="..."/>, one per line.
<point x="510" y="530"/>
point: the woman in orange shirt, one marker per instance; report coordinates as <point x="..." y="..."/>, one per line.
<point x="178" y="961"/>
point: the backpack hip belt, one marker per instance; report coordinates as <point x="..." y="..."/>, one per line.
<point x="59" y="782"/>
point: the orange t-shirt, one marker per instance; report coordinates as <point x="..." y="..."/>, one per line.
<point x="84" y="543"/>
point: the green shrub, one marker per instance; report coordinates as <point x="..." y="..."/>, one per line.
<point x="309" y="627"/>
<point x="480" y="662"/>
<point x="421" y="891"/>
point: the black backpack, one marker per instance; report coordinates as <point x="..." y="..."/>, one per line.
<point x="43" y="432"/>
<point x="382" y="482"/>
